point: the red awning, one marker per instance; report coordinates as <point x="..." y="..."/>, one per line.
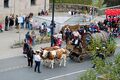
<point x="112" y="12"/>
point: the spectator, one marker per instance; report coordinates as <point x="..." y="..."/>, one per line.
<point x="45" y="13"/>
<point x="22" y="22"/>
<point x="27" y="37"/>
<point x="33" y="36"/>
<point x="6" y="23"/>
<point x="11" y="23"/>
<point x="42" y="12"/>
<point x="67" y="34"/>
<point x="16" y="23"/>
<point x="37" y="59"/>
<point x="30" y="57"/>
<point x="59" y="42"/>
<point x="27" y="22"/>
<point x="25" y="48"/>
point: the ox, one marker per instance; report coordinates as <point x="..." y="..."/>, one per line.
<point x="59" y="54"/>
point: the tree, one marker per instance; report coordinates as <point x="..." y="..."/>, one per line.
<point x="110" y="71"/>
<point x="99" y="4"/>
<point x="111" y="2"/>
<point x="86" y="2"/>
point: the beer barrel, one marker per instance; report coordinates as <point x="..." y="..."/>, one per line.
<point x="102" y="36"/>
<point x="87" y="37"/>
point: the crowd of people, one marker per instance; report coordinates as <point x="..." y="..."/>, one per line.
<point x="18" y="22"/>
<point x="43" y="13"/>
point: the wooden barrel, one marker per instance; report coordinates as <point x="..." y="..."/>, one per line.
<point x="87" y="37"/>
<point x="102" y="36"/>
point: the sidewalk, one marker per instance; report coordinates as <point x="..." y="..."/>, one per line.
<point x="8" y="38"/>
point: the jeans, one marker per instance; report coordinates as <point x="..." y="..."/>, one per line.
<point x="37" y="65"/>
<point x="30" y="26"/>
<point x="22" y="25"/>
<point x="27" y="25"/>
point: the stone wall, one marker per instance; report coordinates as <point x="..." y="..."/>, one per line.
<point x="67" y="7"/>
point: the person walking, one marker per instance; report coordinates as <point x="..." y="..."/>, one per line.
<point x="37" y="59"/>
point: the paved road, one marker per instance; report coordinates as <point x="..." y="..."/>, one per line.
<point x="16" y="69"/>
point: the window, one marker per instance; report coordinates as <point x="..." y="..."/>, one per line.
<point x="33" y="2"/>
<point x="6" y="3"/>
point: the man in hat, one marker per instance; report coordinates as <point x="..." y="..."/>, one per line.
<point x="37" y="59"/>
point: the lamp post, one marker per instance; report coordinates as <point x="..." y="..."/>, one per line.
<point x="52" y="23"/>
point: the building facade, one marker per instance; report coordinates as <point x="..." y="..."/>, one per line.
<point x="19" y="7"/>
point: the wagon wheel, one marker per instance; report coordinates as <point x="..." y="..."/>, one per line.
<point x="69" y="46"/>
<point x="80" y="58"/>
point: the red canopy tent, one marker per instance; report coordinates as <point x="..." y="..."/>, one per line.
<point x="112" y="12"/>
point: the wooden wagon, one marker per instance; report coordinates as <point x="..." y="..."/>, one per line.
<point x="85" y="48"/>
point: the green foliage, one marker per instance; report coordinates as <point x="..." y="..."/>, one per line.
<point x="110" y="70"/>
<point x="89" y="75"/>
<point x="86" y="2"/>
<point x="93" y="44"/>
<point x="111" y="2"/>
<point x="100" y="3"/>
<point x="38" y="40"/>
<point x="107" y="47"/>
<point x="110" y="46"/>
<point x="99" y="64"/>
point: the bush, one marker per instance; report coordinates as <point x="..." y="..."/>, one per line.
<point x="89" y="75"/>
<point x="110" y="71"/>
<point x="38" y="40"/>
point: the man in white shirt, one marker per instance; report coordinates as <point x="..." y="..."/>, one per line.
<point x="37" y="59"/>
